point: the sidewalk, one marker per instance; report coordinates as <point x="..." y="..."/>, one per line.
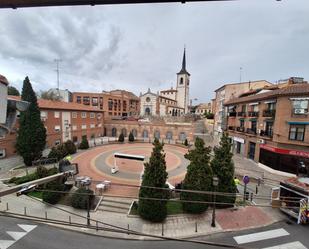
<point x="178" y="226"/>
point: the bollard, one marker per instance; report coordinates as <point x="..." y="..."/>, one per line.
<point x="162" y="230"/>
<point x="7" y="206"/>
<point x="45" y="215"/>
<point x="25" y="211"/>
<point x="251" y="196"/>
<point x="196" y="226"/>
<point x="96" y="226"/>
<point x="128" y="229"/>
<point x="256" y="189"/>
<point x="70" y="219"/>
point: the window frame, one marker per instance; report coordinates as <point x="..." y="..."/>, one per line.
<point x="295" y="137"/>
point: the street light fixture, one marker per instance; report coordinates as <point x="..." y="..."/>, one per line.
<point x="215" y="182"/>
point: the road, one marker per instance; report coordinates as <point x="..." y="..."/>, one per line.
<point x="22" y="234"/>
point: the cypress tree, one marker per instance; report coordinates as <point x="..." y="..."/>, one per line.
<point x="223" y="166"/>
<point x="31" y="136"/>
<point x="155" y="175"/>
<point x="198" y="177"/>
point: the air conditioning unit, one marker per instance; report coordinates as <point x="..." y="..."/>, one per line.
<point x="261" y="141"/>
<point x="299" y="111"/>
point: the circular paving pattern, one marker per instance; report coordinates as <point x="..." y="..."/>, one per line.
<point x="97" y="162"/>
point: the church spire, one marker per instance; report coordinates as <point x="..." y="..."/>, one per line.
<point x="183" y="69"/>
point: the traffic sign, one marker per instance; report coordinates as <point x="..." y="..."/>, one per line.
<point x="246" y="179"/>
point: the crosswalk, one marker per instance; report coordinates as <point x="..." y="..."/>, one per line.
<point x="268" y="235"/>
<point x="16" y="235"/>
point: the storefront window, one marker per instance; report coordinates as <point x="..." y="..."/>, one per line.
<point x="297" y="132"/>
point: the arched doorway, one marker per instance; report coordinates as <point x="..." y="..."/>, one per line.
<point x="182" y="136"/>
<point x="169" y="135"/>
<point x="157" y="134"/>
<point x="124" y="131"/>
<point x="145" y="134"/>
<point x="114" y="132"/>
<point x="134" y="132"/>
<point x="147" y="111"/>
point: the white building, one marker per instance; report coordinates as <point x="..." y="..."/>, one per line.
<point x="171" y="102"/>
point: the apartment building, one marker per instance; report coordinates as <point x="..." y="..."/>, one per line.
<point x="63" y="121"/>
<point x="115" y="104"/>
<point x="228" y="92"/>
<point x="270" y="126"/>
<point x="203" y="108"/>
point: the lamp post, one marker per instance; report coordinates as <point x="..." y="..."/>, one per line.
<point x="215" y="182"/>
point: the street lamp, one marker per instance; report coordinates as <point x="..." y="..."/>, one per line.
<point x="215" y="182"/>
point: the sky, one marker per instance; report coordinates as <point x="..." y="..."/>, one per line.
<point x="136" y="47"/>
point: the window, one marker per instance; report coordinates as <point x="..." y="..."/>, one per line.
<point x="2" y="153"/>
<point x="43" y="115"/>
<point x="74" y="114"/>
<point x="242" y="123"/>
<point x="56" y="114"/>
<point x="300" y="106"/>
<point x="181" y="81"/>
<point x="74" y="127"/>
<point x="271" y="106"/>
<point x="243" y="108"/>
<point x="79" y="99"/>
<point x="92" y="126"/>
<point x="86" y="100"/>
<point x="92" y="115"/>
<point x="57" y="128"/>
<point x="57" y="142"/>
<point x="147" y="99"/>
<point x="84" y="115"/>
<point x="99" y="115"/>
<point x="297" y="132"/>
<point x="110" y="104"/>
<point x="75" y="139"/>
<point x="95" y="101"/>
<point x="84" y="127"/>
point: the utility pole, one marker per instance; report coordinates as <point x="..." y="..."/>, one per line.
<point x="57" y="70"/>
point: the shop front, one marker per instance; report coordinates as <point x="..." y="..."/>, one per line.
<point x="290" y="161"/>
<point x="239" y="145"/>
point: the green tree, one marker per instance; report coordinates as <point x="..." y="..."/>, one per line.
<point x="121" y="138"/>
<point x="13" y="91"/>
<point x="84" y="143"/>
<point x="70" y="147"/>
<point x="198" y="177"/>
<point x="50" y="95"/>
<point x="131" y="137"/>
<point x="223" y="166"/>
<point x="31" y="136"/>
<point x="186" y="143"/>
<point x="155" y="175"/>
<point x="81" y="198"/>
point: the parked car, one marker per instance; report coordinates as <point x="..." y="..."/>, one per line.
<point x="26" y="189"/>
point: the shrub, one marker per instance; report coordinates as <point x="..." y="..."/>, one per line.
<point x="131" y="137"/>
<point x="121" y="138"/>
<point x="80" y="198"/>
<point x="53" y="197"/>
<point x="84" y="143"/>
<point x="58" y="152"/>
<point x="186" y="142"/>
<point x="27" y="178"/>
<point x="41" y="172"/>
<point x="70" y="147"/>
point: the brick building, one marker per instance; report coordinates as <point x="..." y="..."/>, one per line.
<point x="115" y="104"/>
<point x="63" y="121"/>
<point x="228" y="92"/>
<point x="270" y="126"/>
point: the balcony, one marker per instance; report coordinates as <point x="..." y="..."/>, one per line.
<point x="251" y="131"/>
<point x="241" y="129"/>
<point x="269" y="113"/>
<point x="241" y="114"/>
<point x="253" y="114"/>
<point x="266" y="133"/>
<point x="232" y="114"/>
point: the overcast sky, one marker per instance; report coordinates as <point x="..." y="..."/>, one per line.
<point x="134" y="47"/>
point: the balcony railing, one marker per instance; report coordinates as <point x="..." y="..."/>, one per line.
<point x="266" y="133"/>
<point x="269" y="113"/>
<point x="251" y="131"/>
<point x="232" y="114"/>
<point x="241" y="114"/>
<point x="241" y="129"/>
<point x="253" y="114"/>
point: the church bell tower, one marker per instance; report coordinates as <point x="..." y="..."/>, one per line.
<point x="183" y="83"/>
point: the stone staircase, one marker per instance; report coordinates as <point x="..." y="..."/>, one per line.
<point x="115" y="205"/>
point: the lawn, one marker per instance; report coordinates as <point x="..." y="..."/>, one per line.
<point x="36" y="194"/>
<point x="173" y="207"/>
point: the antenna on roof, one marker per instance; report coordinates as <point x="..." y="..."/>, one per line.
<point x="240" y="71"/>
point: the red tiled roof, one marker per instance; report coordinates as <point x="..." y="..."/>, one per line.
<point x="3" y="80"/>
<point x="60" y="105"/>
<point x="289" y="90"/>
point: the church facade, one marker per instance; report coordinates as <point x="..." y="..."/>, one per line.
<point x="171" y="102"/>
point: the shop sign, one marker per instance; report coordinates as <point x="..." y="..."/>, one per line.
<point x="285" y="151"/>
<point x="238" y="139"/>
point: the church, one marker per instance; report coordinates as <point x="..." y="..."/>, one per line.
<point x="171" y="102"/>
